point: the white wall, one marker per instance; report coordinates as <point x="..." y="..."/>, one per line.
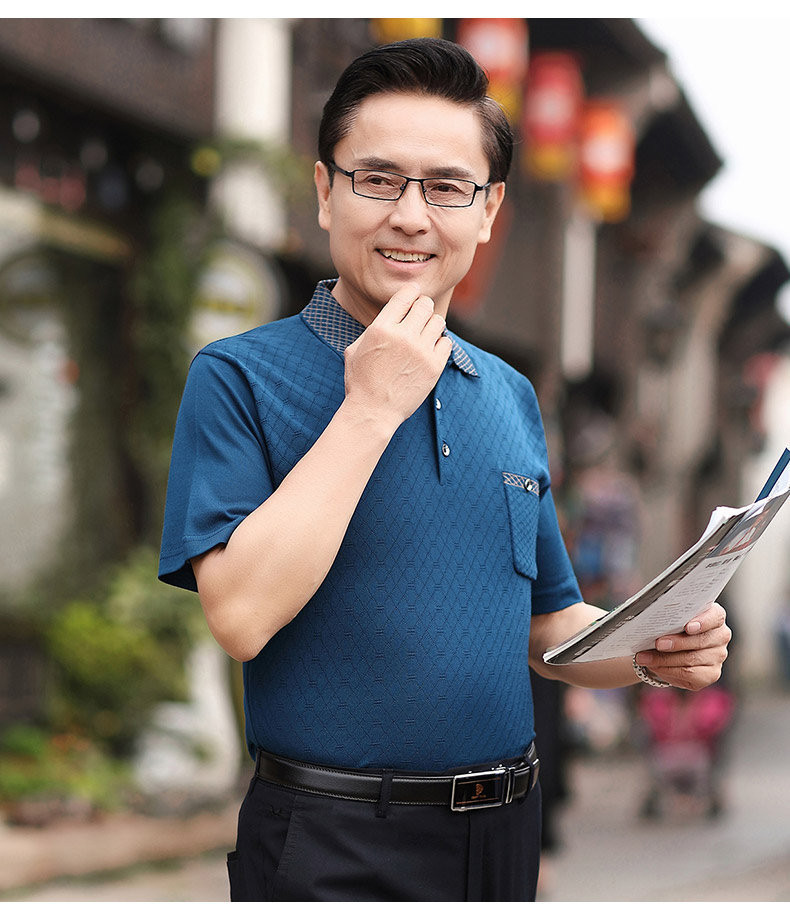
<point x="253" y="102"/>
<point x="761" y="584"/>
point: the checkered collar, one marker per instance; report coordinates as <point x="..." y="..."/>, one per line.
<point x="330" y="322"/>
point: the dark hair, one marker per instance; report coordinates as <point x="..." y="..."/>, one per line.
<point x="431" y="66"/>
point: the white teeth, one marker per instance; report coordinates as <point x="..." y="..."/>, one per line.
<point x="399" y="256"/>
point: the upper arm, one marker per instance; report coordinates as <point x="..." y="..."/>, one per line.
<point x="555" y="586"/>
<point x="205" y="567"/>
<point x="219" y="470"/>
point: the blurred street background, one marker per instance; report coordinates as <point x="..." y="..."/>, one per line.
<point x="606" y="850"/>
<point x="156" y="194"/>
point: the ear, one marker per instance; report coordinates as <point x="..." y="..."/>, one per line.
<point x="323" y="187"/>
<point x="496" y="195"/>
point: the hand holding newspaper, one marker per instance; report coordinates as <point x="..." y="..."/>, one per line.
<point x="690" y="584"/>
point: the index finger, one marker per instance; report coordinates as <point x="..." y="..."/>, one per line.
<point x="399" y="304"/>
<point x="710" y="618"/>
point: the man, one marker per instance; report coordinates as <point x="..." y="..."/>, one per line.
<point x="363" y="503"/>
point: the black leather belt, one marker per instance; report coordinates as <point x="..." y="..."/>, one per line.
<point x="478" y="787"/>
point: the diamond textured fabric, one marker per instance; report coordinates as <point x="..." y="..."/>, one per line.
<point x="413" y="652"/>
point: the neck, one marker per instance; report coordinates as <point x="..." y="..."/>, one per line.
<point x="365" y="312"/>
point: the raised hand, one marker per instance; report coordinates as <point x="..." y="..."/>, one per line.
<point x="395" y="363"/>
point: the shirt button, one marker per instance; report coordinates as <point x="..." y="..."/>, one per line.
<point x="438" y="403"/>
<point x="445" y="449"/>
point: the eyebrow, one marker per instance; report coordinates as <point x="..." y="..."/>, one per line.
<point x="448" y="172"/>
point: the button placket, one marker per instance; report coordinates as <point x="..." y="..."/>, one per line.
<point x="443" y="445"/>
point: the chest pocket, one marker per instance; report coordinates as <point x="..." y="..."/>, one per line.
<point x="523" y="505"/>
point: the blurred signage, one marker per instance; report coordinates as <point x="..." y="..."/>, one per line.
<point x="24" y="215"/>
<point x="606" y="160"/>
<point x="237" y="291"/>
<point x="552" y="110"/>
<point x="396" y="30"/>
<point x="501" y="47"/>
<point x="76" y="167"/>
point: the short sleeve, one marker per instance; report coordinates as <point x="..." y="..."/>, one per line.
<point x="219" y="471"/>
<point x="556" y="586"/>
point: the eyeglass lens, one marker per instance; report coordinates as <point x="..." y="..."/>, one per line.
<point x="387" y="186"/>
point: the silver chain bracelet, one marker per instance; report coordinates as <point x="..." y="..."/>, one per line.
<point x="646" y="677"/>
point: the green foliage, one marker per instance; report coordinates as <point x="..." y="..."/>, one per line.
<point x="24" y="741"/>
<point x="118" y="656"/>
<point x="163" y="281"/>
<point x="162" y="286"/>
<point x="291" y="173"/>
<point x="136" y="596"/>
<point x="34" y="764"/>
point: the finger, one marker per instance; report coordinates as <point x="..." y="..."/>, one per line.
<point x="434" y="328"/>
<point x="714" y="656"/>
<point x="693" y="678"/>
<point x="418" y="314"/>
<point x="443" y="348"/>
<point x="707" y="639"/>
<point x="398" y="305"/>
<point x="692" y="669"/>
<point x="689" y="651"/>
<point x="689" y="678"/>
<point x="710" y="618"/>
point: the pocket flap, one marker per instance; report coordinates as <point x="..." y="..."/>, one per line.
<point x="523" y="504"/>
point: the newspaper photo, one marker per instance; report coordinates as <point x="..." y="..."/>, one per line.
<point x="686" y="587"/>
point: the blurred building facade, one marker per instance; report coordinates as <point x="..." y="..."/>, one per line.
<point x="644" y="328"/>
<point x="97" y="121"/>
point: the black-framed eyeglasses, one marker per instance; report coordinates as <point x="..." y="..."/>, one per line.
<point x="439" y="191"/>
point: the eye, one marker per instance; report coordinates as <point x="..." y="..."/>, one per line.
<point x="449" y="192"/>
<point x="445" y="187"/>
<point x="379" y="180"/>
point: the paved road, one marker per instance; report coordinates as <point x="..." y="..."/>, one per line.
<point x="609" y="854"/>
<point x="202" y="879"/>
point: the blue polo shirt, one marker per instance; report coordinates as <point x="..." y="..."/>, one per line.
<point x="413" y="652"/>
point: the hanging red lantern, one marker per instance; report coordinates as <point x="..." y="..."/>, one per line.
<point x="552" y="107"/>
<point x="501" y="48"/>
<point x="606" y="160"/>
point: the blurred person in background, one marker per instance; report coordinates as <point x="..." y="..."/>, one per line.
<point x="685" y="732"/>
<point x="362" y="501"/>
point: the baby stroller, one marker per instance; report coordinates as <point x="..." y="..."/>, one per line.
<point x="684" y="737"/>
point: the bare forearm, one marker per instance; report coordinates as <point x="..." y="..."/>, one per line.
<point x="691" y="659"/>
<point x="280" y="554"/>
<point x="553" y="628"/>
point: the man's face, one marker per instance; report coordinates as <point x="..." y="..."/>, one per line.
<point x="377" y="246"/>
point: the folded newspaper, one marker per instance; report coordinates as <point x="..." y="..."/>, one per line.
<point x="689" y="585"/>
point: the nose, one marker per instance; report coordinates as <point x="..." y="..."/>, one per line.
<point x="411" y="212"/>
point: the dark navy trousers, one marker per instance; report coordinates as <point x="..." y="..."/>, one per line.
<point x="294" y="846"/>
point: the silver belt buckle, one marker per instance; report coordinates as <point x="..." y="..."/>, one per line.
<point x="487" y="789"/>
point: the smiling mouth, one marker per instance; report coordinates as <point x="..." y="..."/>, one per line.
<point x="396" y="255"/>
